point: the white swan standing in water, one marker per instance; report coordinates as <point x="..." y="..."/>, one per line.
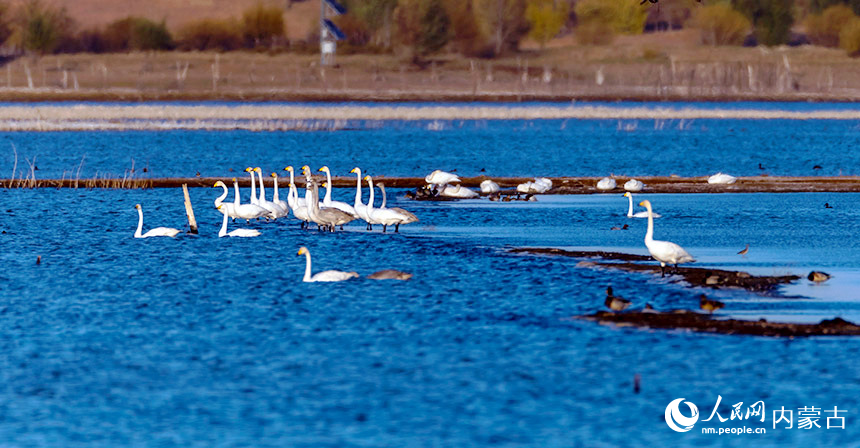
<point x="275" y="210"/>
<point x="607" y="183"/>
<point x="630" y="213"/>
<point x="158" y="231"/>
<point x="227" y="208"/>
<point x="327" y="202"/>
<point x="245" y="233"/>
<point x="408" y="217"/>
<point x="254" y="200"/>
<point x="360" y="208"/>
<point x="385" y="216"/>
<point x="245" y="211"/>
<point x="324" y="276"/>
<point x="276" y="199"/>
<point x="666" y="252"/>
<point x="297" y="204"/>
<point x="328" y="218"/>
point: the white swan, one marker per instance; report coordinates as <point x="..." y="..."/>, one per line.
<point x="275" y="210"/>
<point x="227" y="208"/>
<point x="489" y="187"/>
<point x="721" y="178"/>
<point x="360" y="208"/>
<point x="408" y="217"/>
<point x="607" y="183"/>
<point x="158" y="231"/>
<point x="630" y="213"/>
<point x="327" y="202"/>
<point x="254" y="199"/>
<point x="458" y="191"/>
<point x="245" y="233"/>
<point x="634" y="185"/>
<point x="540" y="185"/>
<point x="245" y="211"/>
<point x="276" y="199"/>
<point x="324" y="276"/>
<point x="665" y="252"/>
<point x="440" y="177"/>
<point x="385" y="216"/>
<point x="297" y="204"/>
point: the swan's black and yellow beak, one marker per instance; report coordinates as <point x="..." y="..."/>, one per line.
<point x="352" y="170"/>
<point x="247" y="170"/>
<point x="289" y="168"/>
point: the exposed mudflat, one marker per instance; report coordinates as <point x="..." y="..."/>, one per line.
<point x="689" y="320"/>
<point x="703" y="277"/>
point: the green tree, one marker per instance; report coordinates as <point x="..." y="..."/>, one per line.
<point x="772" y="19"/>
<point x="546" y="18"/>
<point x="720" y="24"/>
<point x="137" y="33"/>
<point x="377" y="15"/>
<point x="43" y="28"/>
<point x="261" y="25"/>
<point x="502" y="21"/>
<point x="422" y="25"/>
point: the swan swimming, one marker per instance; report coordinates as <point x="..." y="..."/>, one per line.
<point x="158" y="231"/>
<point x="630" y="213"/>
<point x="666" y="252"/>
<point x="324" y="276"/>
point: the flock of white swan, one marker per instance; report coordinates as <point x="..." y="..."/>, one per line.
<point x="326" y="213"/>
<point x="329" y="214"/>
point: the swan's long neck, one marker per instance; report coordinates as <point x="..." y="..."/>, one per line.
<point x="223" y="196"/>
<point x="630" y="206"/>
<point x="223" y="231"/>
<point x="307" y="277"/>
<point x="262" y="188"/>
<point x="293" y="194"/>
<point x="384" y="199"/>
<point x="370" y="186"/>
<point x="649" y="235"/>
<point x="276" y="198"/>
<point x="253" y="188"/>
<point x="310" y="201"/>
<point x="358" y="188"/>
<point x="327" y="199"/>
<point x="139" y="223"/>
<point x="236" y="201"/>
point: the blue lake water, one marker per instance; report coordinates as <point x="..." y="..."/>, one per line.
<point x="205" y="341"/>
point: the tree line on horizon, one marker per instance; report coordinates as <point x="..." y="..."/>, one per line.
<point x="474" y="28"/>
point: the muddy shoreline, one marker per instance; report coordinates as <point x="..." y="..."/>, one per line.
<point x="562" y="185"/>
<point x="701" y="277"/>
<point x="689" y="320"/>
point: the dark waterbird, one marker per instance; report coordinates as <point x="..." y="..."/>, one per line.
<point x="710" y="305"/>
<point x="615" y="303"/>
<point x="390" y="274"/>
<point x="827" y="205"/>
<point x="818" y="276"/>
<point x="745" y="250"/>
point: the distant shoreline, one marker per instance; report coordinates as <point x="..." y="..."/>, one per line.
<point x="561" y="185"/>
<point x="274" y="118"/>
